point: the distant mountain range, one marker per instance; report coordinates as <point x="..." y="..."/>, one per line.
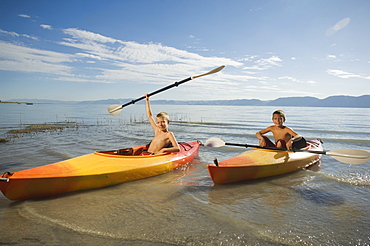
<point x="332" y="101"/>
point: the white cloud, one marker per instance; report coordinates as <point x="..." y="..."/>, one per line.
<point x="119" y="61"/>
<point x="269" y="62"/>
<point x="140" y="62"/>
<point x="338" y="26"/>
<point x="100" y="59"/>
<point x="89" y="56"/>
<point x="133" y="52"/>
<point x="248" y="58"/>
<point x="78" y="78"/>
<point x="24" y="16"/>
<point x="24" y="59"/>
<point x="264" y="63"/>
<point x="345" y="75"/>
<point x="86" y="35"/>
<point x="14" y="34"/>
<point x="30" y="37"/>
<point x="331" y="56"/>
<point x="46" y="27"/>
<point x="297" y="80"/>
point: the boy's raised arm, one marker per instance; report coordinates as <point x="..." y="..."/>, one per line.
<point x="149" y="113"/>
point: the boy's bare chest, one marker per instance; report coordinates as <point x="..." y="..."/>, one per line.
<point x="162" y="136"/>
<point x="280" y="133"/>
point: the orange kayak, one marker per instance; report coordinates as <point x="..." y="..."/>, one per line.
<point x="94" y="170"/>
<point x="260" y="163"/>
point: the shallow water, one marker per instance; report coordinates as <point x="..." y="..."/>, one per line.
<point x="325" y="205"/>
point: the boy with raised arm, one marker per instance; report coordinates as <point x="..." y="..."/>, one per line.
<point x="163" y="141"/>
<point x="284" y="136"/>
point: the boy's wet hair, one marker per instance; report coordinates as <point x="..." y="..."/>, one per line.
<point x="281" y="113"/>
<point x="164" y="115"/>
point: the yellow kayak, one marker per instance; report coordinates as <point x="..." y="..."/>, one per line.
<point x="94" y="170"/>
<point x="260" y="163"/>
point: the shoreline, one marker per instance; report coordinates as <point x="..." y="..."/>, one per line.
<point x="27" y="103"/>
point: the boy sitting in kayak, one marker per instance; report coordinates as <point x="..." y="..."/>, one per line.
<point x="163" y="141"/>
<point x="284" y="136"/>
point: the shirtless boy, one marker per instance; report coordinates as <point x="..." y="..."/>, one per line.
<point x="283" y="135"/>
<point x="163" y="141"/>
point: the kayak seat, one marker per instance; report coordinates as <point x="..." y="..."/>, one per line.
<point x="128" y="151"/>
<point x="137" y="151"/>
<point x="185" y="145"/>
<point x="300" y="144"/>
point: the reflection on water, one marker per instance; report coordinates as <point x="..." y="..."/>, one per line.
<point x="321" y="197"/>
<point x="324" y="205"/>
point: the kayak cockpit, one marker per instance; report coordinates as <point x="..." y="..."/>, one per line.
<point x="140" y="151"/>
<point x="134" y="151"/>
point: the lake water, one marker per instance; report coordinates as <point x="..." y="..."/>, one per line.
<point x="325" y="205"/>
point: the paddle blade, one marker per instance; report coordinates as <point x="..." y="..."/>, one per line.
<point x="115" y="109"/>
<point x="350" y="156"/>
<point x="210" y="72"/>
<point x="214" y="142"/>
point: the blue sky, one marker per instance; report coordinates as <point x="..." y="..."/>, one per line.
<point x="92" y="50"/>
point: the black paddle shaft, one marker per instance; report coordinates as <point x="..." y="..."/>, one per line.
<point x="158" y="91"/>
<point x="274" y="148"/>
<point x="254" y="146"/>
